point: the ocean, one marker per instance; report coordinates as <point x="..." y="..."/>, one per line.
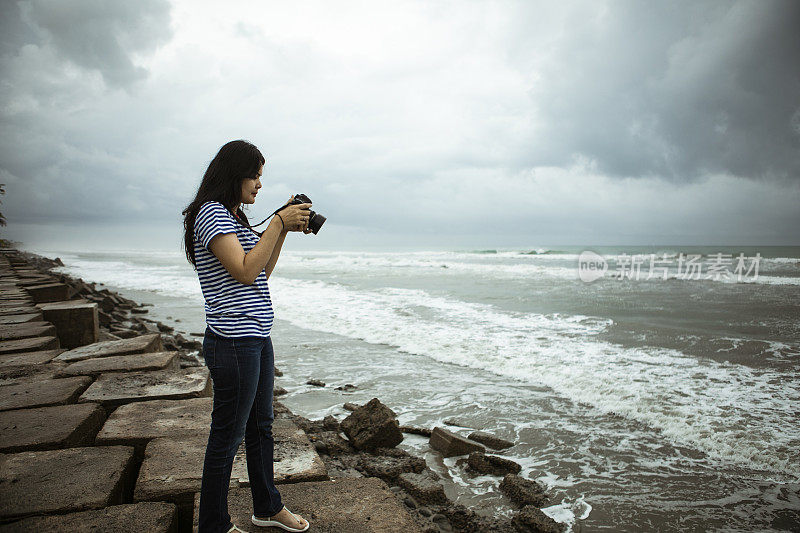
<point x="664" y="395"/>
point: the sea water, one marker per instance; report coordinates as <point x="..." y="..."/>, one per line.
<point x="642" y="403"/>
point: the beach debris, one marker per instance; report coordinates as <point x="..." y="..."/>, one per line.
<point x="532" y="519"/>
<point x="451" y="444"/>
<point x="523" y="491"/>
<point x="496" y="443"/>
<point x="415" y="430"/>
<point x="482" y="463"/>
<point x="424" y="487"/>
<point x="371" y="426"/>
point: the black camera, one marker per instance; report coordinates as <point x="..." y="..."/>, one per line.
<point x="315" y="220"/>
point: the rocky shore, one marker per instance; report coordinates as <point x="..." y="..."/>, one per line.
<point x="145" y="399"/>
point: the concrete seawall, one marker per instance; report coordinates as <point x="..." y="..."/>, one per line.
<point x="105" y="416"/>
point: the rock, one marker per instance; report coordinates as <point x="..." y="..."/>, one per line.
<point x="350" y="406"/>
<point x="152" y="517"/>
<point x="496" y="443"/>
<point x="441" y="522"/>
<point x="331" y="443"/>
<point x="346" y="387"/>
<point x="523" y="491"/>
<point x="424" y="487"/>
<point x="117" y="388"/>
<point x="278" y="373"/>
<point x="315" y="382"/>
<point x="450" y="444"/>
<point x="141" y="344"/>
<point x="330" y="423"/>
<point x="106" y="304"/>
<point x="455" y="422"/>
<point x="492" y="464"/>
<point x="371" y="426"/>
<point x="279" y="391"/>
<point x="138" y="422"/>
<point x="389" y="468"/>
<point x="60" y="481"/>
<point x="347" y="505"/>
<point x="31" y="344"/>
<point x="164" y="328"/>
<point x="532" y="519"/>
<point x="139" y="311"/>
<point x="425" y="432"/>
<point x="120" y="363"/>
<point x="43" y="392"/>
<point x="48" y="292"/>
<point x="45" y="428"/>
<point x="27" y="358"/>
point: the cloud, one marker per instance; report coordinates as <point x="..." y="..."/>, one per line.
<point x="413" y="117"/>
<point x="102" y="36"/>
<point x="677" y="90"/>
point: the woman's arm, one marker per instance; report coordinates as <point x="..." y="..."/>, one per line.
<point x="245" y="267"/>
<point x="276" y="252"/>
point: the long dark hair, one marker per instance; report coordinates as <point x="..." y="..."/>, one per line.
<point x="222" y="182"/>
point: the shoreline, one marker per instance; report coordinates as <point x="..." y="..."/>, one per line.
<point x="337" y="441"/>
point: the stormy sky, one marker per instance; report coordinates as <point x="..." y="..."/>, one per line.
<point x="421" y="124"/>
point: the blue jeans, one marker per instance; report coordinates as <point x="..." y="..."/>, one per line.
<point x="243" y="373"/>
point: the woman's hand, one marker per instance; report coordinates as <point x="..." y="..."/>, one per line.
<point x="295" y="217"/>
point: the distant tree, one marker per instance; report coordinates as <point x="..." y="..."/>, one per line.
<point x="2" y="193"/>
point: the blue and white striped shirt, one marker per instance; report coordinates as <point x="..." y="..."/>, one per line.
<point x="233" y="309"/>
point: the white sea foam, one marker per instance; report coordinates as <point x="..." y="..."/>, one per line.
<point x="731" y="412"/>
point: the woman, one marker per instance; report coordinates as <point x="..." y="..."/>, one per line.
<point x="233" y="263"/>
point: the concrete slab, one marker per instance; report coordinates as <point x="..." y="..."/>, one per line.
<point x="28" y="358"/>
<point x="48" y="292"/>
<point x="354" y="505"/>
<point x="146" y="517"/>
<point x="45" y="392"/>
<point x="60" y="481"/>
<point x="6" y="303"/>
<point x="141" y="344"/>
<point x="31" y="344"/>
<point x="17" y="309"/>
<point x="138" y="422"/>
<point x="26" y="330"/>
<point x="76" y="321"/>
<point x="173" y="468"/>
<point x="21" y="319"/>
<point x="295" y="459"/>
<point x="122" y="363"/>
<point x="125" y="387"/>
<point x="47" y="428"/>
<point x="17" y="375"/>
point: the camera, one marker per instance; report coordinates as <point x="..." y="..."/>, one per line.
<point x="315" y="220"/>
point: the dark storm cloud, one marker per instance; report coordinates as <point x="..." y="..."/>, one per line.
<point x="101" y="35"/>
<point x="677" y="90"/>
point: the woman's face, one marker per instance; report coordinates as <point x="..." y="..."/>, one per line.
<point x="250" y="187"/>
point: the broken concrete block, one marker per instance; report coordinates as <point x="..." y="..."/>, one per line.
<point x="295" y="458"/>
<point x="48" y="292"/>
<point x="122" y="363"/>
<point x="124" y="387"/>
<point x="31" y="344"/>
<point x="29" y="329"/>
<point x="46" y="428"/>
<point x="28" y="358"/>
<point x="145" y="517"/>
<point x="44" y="392"/>
<point x="21" y="319"/>
<point x="451" y="444"/>
<point x="140" y="344"/>
<point x="59" y="481"/>
<point x="138" y="422"/>
<point x="76" y="321"/>
<point x="363" y="505"/>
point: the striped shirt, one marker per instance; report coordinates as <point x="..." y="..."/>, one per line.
<point x="233" y="309"/>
